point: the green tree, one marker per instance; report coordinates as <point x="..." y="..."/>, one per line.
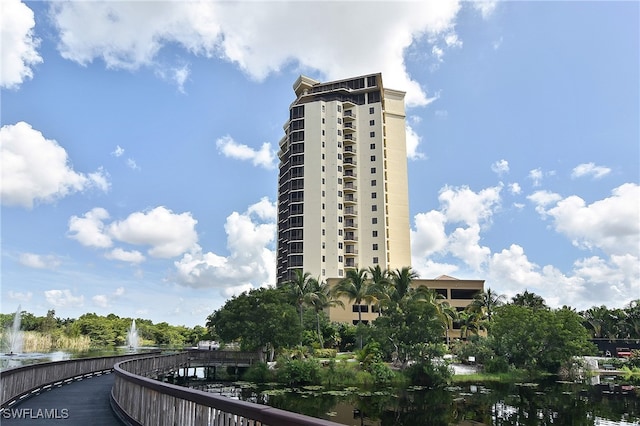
<point x="261" y="319"/>
<point x="402" y="280"/>
<point x="356" y="288"/>
<point x="486" y="302"/>
<point x="530" y="300"/>
<point x="381" y="286"/>
<point x="320" y="299"/>
<point x="299" y="288"/>
<point x="538" y="339"/>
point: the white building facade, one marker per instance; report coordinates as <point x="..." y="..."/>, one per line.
<point x="343" y="188"/>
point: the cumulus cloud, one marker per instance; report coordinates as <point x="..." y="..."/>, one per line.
<point x="257" y="37"/>
<point x="485" y="7"/>
<point x="590" y="169"/>
<point x="133" y="256"/>
<point x="457" y="206"/>
<point x="514" y="188"/>
<point x="610" y="224"/>
<point x="265" y="157"/>
<point x="500" y="167"/>
<point x="19" y="48"/>
<point x="536" y="176"/>
<point x="63" y="299"/>
<point x="36" y="169"/>
<point x="251" y="262"/>
<point x="39" y="261"/>
<point x="100" y="300"/>
<point x="118" y="151"/>
<point x="168" y="234"/>
<point x="89" y="230"/>
<point x="413" y="141"/>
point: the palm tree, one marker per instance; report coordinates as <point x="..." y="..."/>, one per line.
<point x="486" y="302"/>
<point x="380" y="286"/>
<point x="299" y="288"/>
<point x="531" y="300"/>
<point x="402" y="279"/>
<point x="355" y="287"/>
<point x="320" y="300"/>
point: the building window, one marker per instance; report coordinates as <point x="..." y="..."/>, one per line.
<point x="323" y="178"/>
<point x="339" y="132"/>
<point x="339" y="168"/>
<point x="339" y="108"/>
<point x="323" y="245"/>
<point x="373" y="182"/>
<point x="323" y="232"/>
<point x="339" y="156"/>
<point x="372" y="134"/>
<point x="322" y="120"/>
<point x="322" y="206"/>
<point x="374" y="195"/>
<point x="322" y="219"/>
<point x="322" y="132"/>
<point x="339" y="120"/>
<point x="339" y="232"/>
<point x="372" y="146"/>
<point x="373" y="170"/>
<point x="340" y="246"/>
<point x="339" y="206"/>
<point x="339" y="193"/>
<point x="375" y="260"/>
<point x="374" y="234"/>
<point x="340" y="219"/>
<point x="371" y="81"/>
<point x="323" y="156"/>
<point x="323" y="193"/>
<point x="375" y="247"/>
<point x="374" y="208"/>
<point x="323" y="168"/>
<point x="339" y="259"/>
<point x="323" y="144"/>
<point x="360" y="308"/>
<point x="324" y="273"/>
<point x="323" y="258"/>
<point x="339" y="181"/>
<point x="373" y="158"/>
<point x="322" y="108"/>
<point x="371" y="110"/>
<point x="374" y="220"/>
<point x="371" y="122"/>
<point x="340" y="272"/>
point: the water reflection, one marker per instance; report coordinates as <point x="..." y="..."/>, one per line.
<point x="550" y="403"/>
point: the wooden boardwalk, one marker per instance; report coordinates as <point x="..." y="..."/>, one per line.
<point x="83" y="402"/>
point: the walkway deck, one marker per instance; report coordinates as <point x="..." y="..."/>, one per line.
<point x="84" y="402"/>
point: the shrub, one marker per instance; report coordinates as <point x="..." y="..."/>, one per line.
<point x="298" y="371"/>
<point x="426" y="373"/>
<point x="325" y="353"/>
<point x="338" y="373"/>
<point x="381" y="373"/>
<point x="259" y="373"/>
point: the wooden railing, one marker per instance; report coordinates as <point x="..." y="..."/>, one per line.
<point x="140" y="400"/>
<point x="20" y="382"/>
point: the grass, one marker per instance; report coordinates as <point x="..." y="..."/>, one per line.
<point x="508" y="377"/>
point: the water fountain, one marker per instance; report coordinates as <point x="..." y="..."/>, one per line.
<point x="14" y="335"/>
<point x="132" y="336"/>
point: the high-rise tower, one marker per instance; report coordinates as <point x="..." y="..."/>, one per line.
<point x="342" y="188"/>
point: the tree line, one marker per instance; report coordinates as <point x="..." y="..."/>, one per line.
<point x="416" y="323"/>
<point x="105" y="331"/>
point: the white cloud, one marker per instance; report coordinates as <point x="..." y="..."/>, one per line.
<point x="590" y="169"/>
<point x="19" y="296"/>
<point x="464" y="205"/>
<point x="542" y="199"/>
<point x="430" y="236"/>
<point x="36" y="169"/>
<point x="485" y="7"/>
<point x="63" y="299"/>
<point x="464" y="243"/>
<point x="100" y="300"/>
<point x="131" y="163"/>
<point x="413" y="141"/>
<point x="610" y="224"/>
<point x="133" y="256"/>
<point x="89" y="230"/>
<point x="257" y="37"/>
<point x="118" y="151"/>
<point x="19" y="47"/>
<point x="119" y="291"/>
<point x="536" y="176"/>
<point x="251" y="261"/>
<point x="500" y="167"/>
<point x="514" y="188"/>
<point x="39" y="261"/>
<point x="169" y="234"/>
<point x="265" y="157"/>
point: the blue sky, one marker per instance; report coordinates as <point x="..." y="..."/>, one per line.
<point x="138" y="145"/>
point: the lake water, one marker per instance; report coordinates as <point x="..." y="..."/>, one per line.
<point x="548" y="403"/>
